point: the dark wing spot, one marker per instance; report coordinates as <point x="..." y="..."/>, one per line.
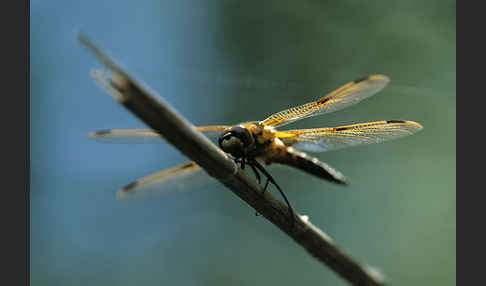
<point x="341" y="128"/>
<point x="102" y="132"/>
<point x="361" y="79"/>
<point x="188" y="165"/>
<point x="395" y="121"/>
<point x="324" y="100"/>
<point x="130" y="186"/>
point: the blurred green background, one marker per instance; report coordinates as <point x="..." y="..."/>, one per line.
<point x="226" y="62"/>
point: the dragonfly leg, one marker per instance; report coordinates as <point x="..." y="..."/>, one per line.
<point x="241" y="162"/>
<point x="257" y="175"/>
<point x="264" y="190"/>
<point x="265" y="187"/>
<point x="271" y="180"/>
<point x="255" y="171"/>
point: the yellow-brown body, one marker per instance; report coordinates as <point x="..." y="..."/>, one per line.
<point x="267" y="147"/>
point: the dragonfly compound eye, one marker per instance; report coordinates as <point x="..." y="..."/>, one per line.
<point x="234" y="141"/>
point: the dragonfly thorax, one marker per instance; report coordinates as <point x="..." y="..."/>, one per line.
<point x="236" y="141"/>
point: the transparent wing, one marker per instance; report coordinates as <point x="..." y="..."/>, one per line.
<point x="141" y="136"/>
<point x="179" y="178"/>
<point x="350" y="93"/>
<point x="324" y="139"/>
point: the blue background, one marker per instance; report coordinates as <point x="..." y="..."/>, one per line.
<point x="223" y="62"/>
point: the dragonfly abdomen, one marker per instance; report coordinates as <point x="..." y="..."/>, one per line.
<point x="309" y="164"/>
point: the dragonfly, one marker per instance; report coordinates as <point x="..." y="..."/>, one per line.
<point x="259" y="143"/>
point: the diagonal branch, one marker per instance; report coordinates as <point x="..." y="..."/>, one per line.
<point x="156" y="113"/>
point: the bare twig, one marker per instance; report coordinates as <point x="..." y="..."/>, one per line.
<point x="157" y="114"/>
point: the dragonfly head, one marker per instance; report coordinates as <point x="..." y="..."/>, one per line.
<point x="235" y="141"/>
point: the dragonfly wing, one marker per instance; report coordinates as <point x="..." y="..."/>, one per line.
<point x="179" y="178"/>
<point x="325" y="139"/>
<point x="141" y="136"/>
<point x="350" y="93"/>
